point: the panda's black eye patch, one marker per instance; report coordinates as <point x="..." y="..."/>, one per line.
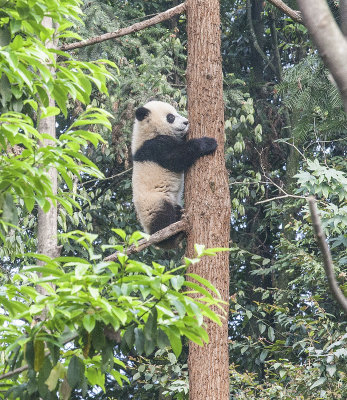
<point x="170" y="118"/>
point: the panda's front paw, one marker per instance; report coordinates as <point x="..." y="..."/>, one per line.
<point x="207" y="145"/>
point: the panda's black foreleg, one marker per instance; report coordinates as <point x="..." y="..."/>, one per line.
<point x="165" y="216"/>
<point x="174" y="154"/>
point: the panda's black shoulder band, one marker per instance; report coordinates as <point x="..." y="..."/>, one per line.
<point x="172" y="153"/>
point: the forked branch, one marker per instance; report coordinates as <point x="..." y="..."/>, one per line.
<point x="180" y="226"/>
<point x="180" y="9"/>
<point x="327" y="259"/>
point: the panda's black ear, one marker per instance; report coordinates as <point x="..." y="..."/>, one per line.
<point x="141" y="113"/>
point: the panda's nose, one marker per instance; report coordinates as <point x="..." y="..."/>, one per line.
<point x="185" y="122"/>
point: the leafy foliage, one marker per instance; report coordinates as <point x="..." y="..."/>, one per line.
<point x="313" y="99"/>
<point x="28" y="80"/>
<point x="285" y="139"/>
<point x="95" y="305"/>
<point x="89" y="306"/>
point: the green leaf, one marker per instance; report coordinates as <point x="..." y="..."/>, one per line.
<point x="150" y="328"/>
<point x="207" y="312"/>
<point x="331" y="369"/>
<point x="29" y="354"/>
<point x="204" y="282"/>
<point x="175" y="340"/>
<point x="65" y="390"/>
<point x="129" y="337"/>
<point x="139" y="341"/>
<point x="271" y="333"/>
<point x="75" y="372"/>
<point x="120" y="233"/>
<point x="56" y="373"/>
<point x="318" y="382"/>
<point x="149" y="345"/>
<point x="43" y="376"/>
<point x="262" y="328"/>
<point x="89" y="322"/>
<point x="263" y="355"/>
<point x="163" y="340"/>
<point x="198" y="289"/>
<point x="95" y="377"/>
<point x="177" y="282"/>
<point x="39" y="350"/>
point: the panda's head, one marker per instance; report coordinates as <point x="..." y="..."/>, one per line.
<point x="159" y="118"/>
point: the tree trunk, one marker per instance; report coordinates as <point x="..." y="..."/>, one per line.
<point x="258" y="26"/>
<point x="207" y="201"/>
<point x="47" y="242"/>
<point x="329" y="40"/>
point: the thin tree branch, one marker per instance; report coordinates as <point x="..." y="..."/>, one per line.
<point x="343" y="16"/>
<point x="330" y="42"/>
<point x="180" y="9"/>
<point x="327" y="259"/>
<point x="109" y="177"/>
<point x="180" y="226"/>
<point x="293" y="14"/>
<point x="255" y="40"/>
<point x="276" y="47"/>
<point x="14" y="372"/>
<point x="285" y="196"/>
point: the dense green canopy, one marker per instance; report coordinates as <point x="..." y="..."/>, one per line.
<point x="285" y="139"/>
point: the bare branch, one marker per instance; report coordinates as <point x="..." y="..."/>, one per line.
<point x="327" y="259"/>
<point x="14" y="372"/>
<point x="180" y="226"/>
<point x="328" y="38"/>
<point x="109" y="177"/>
<point x="285" y="196"/>
<point x="255" y="40"/>
<point x="343" y="16"/>
<point x="276" y="50"/>
<point x="180" y="9"/>
<point x="293" y="14"/>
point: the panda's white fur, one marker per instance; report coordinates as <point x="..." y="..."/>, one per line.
<point x="160" y="156"/>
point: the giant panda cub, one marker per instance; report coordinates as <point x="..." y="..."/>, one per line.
<point x="161" y="155"/>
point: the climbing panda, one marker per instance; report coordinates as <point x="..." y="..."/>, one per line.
<point x="161" y="154"/>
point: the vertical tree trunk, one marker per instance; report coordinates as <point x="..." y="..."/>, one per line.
<point x="258" y="26"/>
<point x="207" y="201"/>
<point x="47" y="242"/>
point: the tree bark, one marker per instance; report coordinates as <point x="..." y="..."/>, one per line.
<point x="47" y="230"/>
<point x="343" y="16"/>
<point x="293" y="14"/>
<point x="326" y="255"/>
<point x="259" y="59"/>
<point x="207" y="200"/>
<point x="330" y="41"/>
